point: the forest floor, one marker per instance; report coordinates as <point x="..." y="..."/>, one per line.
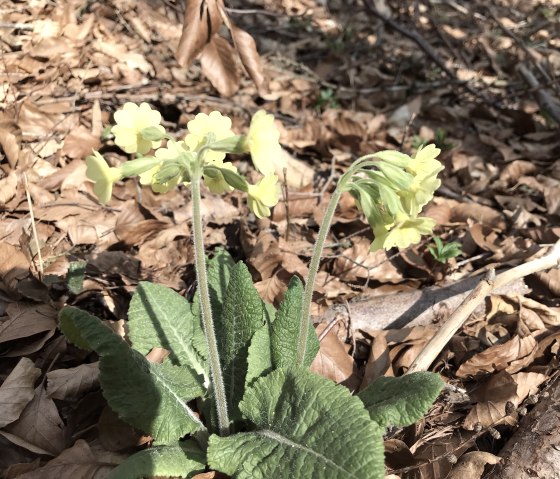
<point x="480" y="81"/>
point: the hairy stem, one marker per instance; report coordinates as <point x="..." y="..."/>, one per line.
<point x="206" y="312"/>
<point x="312" y="276"/>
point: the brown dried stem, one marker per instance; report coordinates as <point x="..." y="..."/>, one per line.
<point x="488" y="284"/>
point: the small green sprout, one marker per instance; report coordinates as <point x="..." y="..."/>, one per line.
<point x="326" y="99"/>
<point x="444" y="252"/>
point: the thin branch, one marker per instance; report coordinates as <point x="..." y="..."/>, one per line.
<point x="488" y="284"/>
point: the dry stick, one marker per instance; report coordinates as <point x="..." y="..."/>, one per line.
<point x="33" y="227"/>
<point x="431" y="351"/>
<point x="546" y="101"/>
<point x="424" y="45"/>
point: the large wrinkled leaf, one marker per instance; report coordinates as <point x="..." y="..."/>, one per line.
<point x="306" y="427"/>
<point x="151" y="397"/>
<point x="259" y="357"/>
<point x="201" y="21"/>
<point x="184" y="460"/>
<point x="243" y="315"/>
<point x="160" y="317"/>
<point x="17" y="390"/>
<point x="285" y="330"/>
<point x="218" y="65"/>
<point x="401" y="401"/>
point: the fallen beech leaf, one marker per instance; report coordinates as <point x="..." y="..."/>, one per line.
<point x="17" y="390"/>
<point x="79" y="461"/>
<point x="334" y="362"/>
<point x="492" y="397"/>
<point x="14" y="266"/>
<point x="511" y="356"/>
<point x="479" y="213"/>
<point x="201" y="21"/>
<point x="471" y="465"/>
<point x="80" y="142"/>
<point x="26" y="320"/>
<point x="217" y="61"/>
<point x="10" y="140"/>
<point x="39" y="425"/>
<point x="247" y="50"/>
<point x="379" y="363"/>
<point x="71" y="383"/>
<point x="8" y="187"/>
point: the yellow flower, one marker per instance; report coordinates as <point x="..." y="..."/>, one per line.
<point x="424" y="162"/>
<point x="262" y="142"/>
<point x="263" y="196"/>
<point x="403" y="233"/>
<point x="203" y="125"/>
<point x="104" y="176"/>
<point x="171" y="151"/>
<point x="130" y="120"/>
<point x="217" y="184"/>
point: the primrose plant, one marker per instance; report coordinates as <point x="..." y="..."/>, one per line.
<point x="235" y="393"/>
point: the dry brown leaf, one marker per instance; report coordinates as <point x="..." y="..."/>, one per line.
<point x="358" y="262"/>
<point x="550" y="279"/>
<point x="511" y="356"/>
<point x="527" y="383"/>
<point x="25" y="320"/>
<point x="201" y="22"/>
<point x="271" y="290"/>
<point x="217" y="61"/>
<point x="471" y="465"/>
<point x="8" y="187"/>
<point x="14" y="266"/>
<point x="247" y="50"/>
<point x="266" y="256"/>
<point x="492" y="397"/>
<point x="334" y="362"/>
<point x="379" y="363"/>
<point x="10" y="140"/>
<point x="17" y="391"/>
<point x="481" y="214"/>
<point x="117" y="435"/>
<point x="72" y="383"/>
<point x="80" y="143"/>
<point x="79" y="461"/>
<point x="39" y="426"/>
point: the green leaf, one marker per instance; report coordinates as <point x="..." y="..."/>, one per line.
<point x="219" y="273"/>
<point x="185" y="459"/>
<point x="75" y="276"/>
<point x="160" y="317"/>
<point x="151" y="397"/>
<point x="285" y="329"/>
<point x="243" y="314"/>
<point x="401" y="401"/>
<point x="259" y="358"/>
<point x="307" y="427"/>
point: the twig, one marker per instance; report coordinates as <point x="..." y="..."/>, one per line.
<point x="530" y="53"/>
<point x="477" y="295"/>
<point x="424" y="45"/>
<point x="33" y="228"/>
<point x="546" y="101"/>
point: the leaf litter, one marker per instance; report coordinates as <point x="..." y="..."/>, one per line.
<point x="341" y="85"/>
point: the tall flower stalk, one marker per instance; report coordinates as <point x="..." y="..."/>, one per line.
<point x="206" y="311"/>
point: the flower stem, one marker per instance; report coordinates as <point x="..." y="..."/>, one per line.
<point x="312" y="276"/>
<point x="206" y="311"/>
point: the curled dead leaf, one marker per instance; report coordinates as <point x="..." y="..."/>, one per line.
<point x="511" y="356"/>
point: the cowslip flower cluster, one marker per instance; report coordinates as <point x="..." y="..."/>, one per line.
<point x="393" y="195"/>
<point x="202" y="153"/>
